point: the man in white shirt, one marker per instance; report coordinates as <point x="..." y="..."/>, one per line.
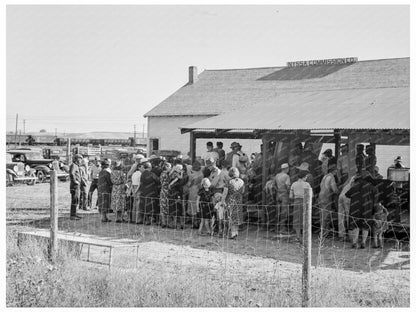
<point x="210" y="153"/>
<point x="282" y="181"/>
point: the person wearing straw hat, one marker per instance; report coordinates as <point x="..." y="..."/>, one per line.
<point x="118" y="192"/>
<point x="282" y="181"/>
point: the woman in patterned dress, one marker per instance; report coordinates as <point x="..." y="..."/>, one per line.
<point x="118" y="194"/>
<point x="233" y="194"/>
<point x="164" y="191"/>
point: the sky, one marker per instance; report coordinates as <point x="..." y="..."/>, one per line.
<point x="101" y="68"/>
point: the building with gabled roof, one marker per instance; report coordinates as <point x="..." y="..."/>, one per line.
<point x="345" y="95"/>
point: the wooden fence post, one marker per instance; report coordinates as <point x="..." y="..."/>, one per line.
<point x="307" y="247"/>
<point x="53" y="242"/>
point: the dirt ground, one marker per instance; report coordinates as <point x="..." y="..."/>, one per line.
<point x="29" y="205"/>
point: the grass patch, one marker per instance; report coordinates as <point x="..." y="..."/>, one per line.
<point x="33" y="282"/>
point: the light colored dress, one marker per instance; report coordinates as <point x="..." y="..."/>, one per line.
<point x="195" y="179"/>
<point x="234" y="201"/>
<point x="118" y="194"/>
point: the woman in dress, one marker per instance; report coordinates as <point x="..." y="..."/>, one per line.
<point x="104" y="190"/>
<point x="194" y="184"/>
<point x="175" y="196"/>
<point x="164" y="190"/>
<point x="233" y="194"/>
<point x="118" y="194"/>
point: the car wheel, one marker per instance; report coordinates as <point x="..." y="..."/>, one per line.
<point x="41" y="176"/>
<point x="31" y="182"/>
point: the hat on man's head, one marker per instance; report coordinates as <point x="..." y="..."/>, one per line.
<point x="235" y="144"/>
<point x="328" y="152"/>
<point x="78" y="156"/>
<point x="143" y="160"/>
<point x="303" y="166"/>
<point x="105" y="162"/>
<point x="284" y="166"/>
<point x="398" y="159"/>
<point x="210" y="161"/>
<point x="153" y="156"/>
<point x="138" y="156"/>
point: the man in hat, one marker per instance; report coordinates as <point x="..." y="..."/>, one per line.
<point x="327" y="159"/>
<point x="83" y="169"/>
<point x="220" y="151"/>
<point x="210" y="153"/>
<point x="398" y="163"/>
<point x="327" y="198"/>
<point x="282" y="181"/>
<point x="371" y="160"/>
<point x="105" y="187"/>
<point x="308" y="177"/>
<point x="75" y="186"/>
<point x="95" y="170"/>
<point x="233" y="156"/>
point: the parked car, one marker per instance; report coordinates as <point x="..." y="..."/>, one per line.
<point x="18" y="172"/>
<point x="34" y="159"/>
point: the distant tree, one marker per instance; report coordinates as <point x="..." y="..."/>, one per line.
<point x="43" y="130"/>
<point x="30" y="140"/>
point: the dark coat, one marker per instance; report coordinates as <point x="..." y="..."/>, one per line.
<point x="74" y="176"/>
<point x="104" y="189"/>
<point x="362" y="195"/>
<point x="149" y="184"/>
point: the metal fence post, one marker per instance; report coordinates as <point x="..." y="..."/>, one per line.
<point x="53" y="242"/>
<point x="307" y="247"/>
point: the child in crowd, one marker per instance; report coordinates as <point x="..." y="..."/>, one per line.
<point x="219" y="214"/>
<point x="380" y="225"/>
<point x="204" y="204"/>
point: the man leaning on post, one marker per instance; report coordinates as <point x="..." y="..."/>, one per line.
<point x="75" y="186"/>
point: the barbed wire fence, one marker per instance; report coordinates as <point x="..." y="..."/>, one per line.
<point x="260" y="258"/>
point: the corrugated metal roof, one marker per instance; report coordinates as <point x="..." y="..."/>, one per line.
<point x="382" y="108"/>
<point x="222" y="91"/>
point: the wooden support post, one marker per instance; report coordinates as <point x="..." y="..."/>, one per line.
<point x="307" y="247"/>
<point x="264" y="170"/>
<point x="68" y="152"/>
<point x="353" y="140"/>
<point x="192" y="146"/>
<point x="53" y="243"/>
<point x="337" y="139"/>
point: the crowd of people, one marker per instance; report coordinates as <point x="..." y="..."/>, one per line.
<point x="211" y="193"/>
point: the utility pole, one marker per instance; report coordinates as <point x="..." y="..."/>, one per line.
<point x="55" y="132"/>
<point x="20" y="136"/>
<point x="143" y="131"/>
<point x="15" y="135"/>
<point x="134" y="135"/>
<point x="24" y="126"/>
